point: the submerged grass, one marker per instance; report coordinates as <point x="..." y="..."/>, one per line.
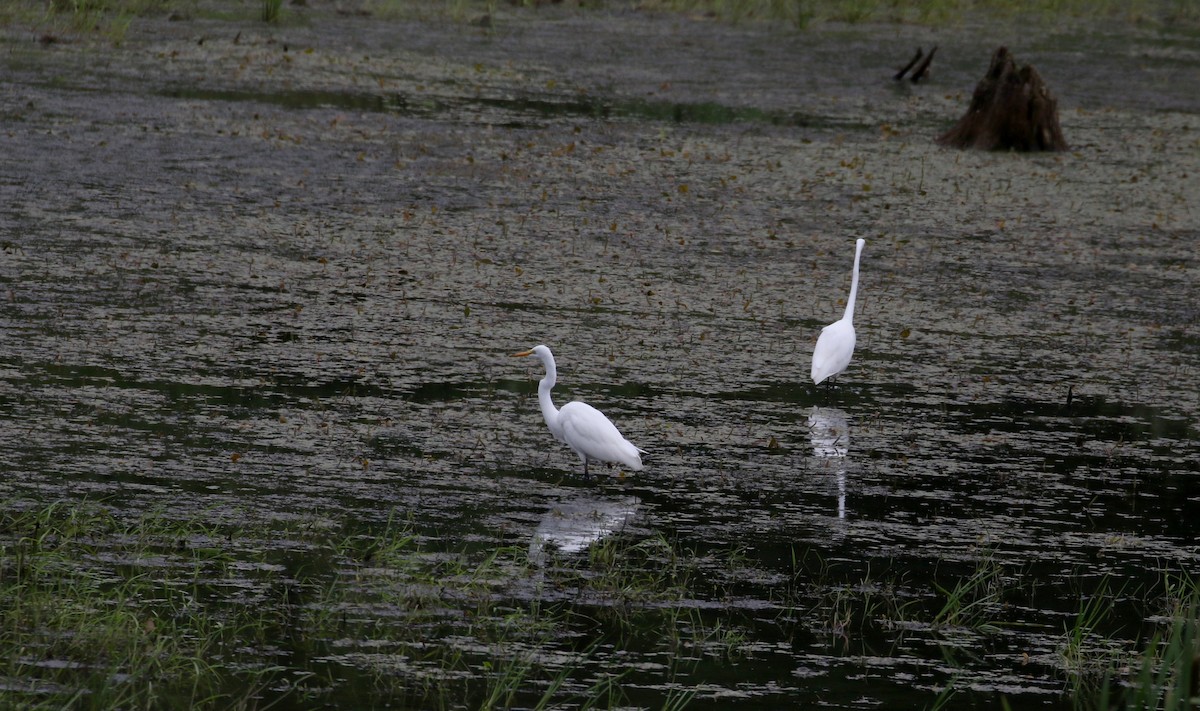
<point x="1166" y="673"/>
<point x="90" y="608"/>
<point x="1088" y="655"/>
<point x="1105" y="671"/>
<point x="154" y="611"/>
<point x="973" y="601"/>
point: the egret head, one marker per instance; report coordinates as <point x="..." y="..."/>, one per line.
<point x="541" y="352"/>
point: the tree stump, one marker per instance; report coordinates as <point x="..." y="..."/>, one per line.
<point x="1011" y="109"/>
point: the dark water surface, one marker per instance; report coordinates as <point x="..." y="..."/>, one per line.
<point x="273" y="274"/>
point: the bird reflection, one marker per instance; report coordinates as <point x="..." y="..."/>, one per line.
<point x="571" y="526"/>
<point x="831" y="440"/>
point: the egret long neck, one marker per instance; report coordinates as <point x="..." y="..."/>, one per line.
<point x="849" y="315"/>
<point x="549" y="411"/>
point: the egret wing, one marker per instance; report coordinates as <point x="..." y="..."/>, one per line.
<point x="833" y="351"/>
<point x="594" y="436"/>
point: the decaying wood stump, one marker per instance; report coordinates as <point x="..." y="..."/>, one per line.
<point x="1011" y="109"/>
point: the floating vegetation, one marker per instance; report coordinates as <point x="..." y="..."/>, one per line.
<point x="151" y="610"/>
<point x="266" y="450"/>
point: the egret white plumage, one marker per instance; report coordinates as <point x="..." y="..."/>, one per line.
<point x="836" y="343"/>
<point x="580" y="426"/>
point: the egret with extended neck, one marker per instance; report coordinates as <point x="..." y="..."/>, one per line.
<point x="580" y="426"/>
<point x="836" y="343"/>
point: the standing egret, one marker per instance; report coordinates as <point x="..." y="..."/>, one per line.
<point x="580" y="426"/>
<point x="836" y="344"/>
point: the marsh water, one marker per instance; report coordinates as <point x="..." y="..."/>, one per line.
<point x="273" y="273"/>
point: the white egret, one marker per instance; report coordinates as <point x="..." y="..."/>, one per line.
<point x="580" y="426"/>
<point x="836" y="343"/>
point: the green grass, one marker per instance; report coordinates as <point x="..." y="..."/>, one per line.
<point x="81" y="619"/>
<point x="108" y="20"/>
<point x="111" y="18"/>
<point x="1165" y="675"/>
<point x="800" y="13"/>
<point x="100" y="609"/>
<point x="1109" y="673"/>
<point x="270" y="10"/>
<point x="1087" y="654"/>
<point x="973" y="601"/>
<point x="112" y="612"/>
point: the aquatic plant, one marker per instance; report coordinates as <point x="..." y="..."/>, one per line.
<point x="800" y="13"/>
<point x="154" y="610"/>
<point x="79" y="617"/>
<point x="106" y="19"/>
<point x="1108" y="673"/>
<point x="973" y="600"/>
<point x="797" y="14"/>
<point x="1085" y="652"/>
<point x="1167" y="673"/>
<point x="270" y="10"/>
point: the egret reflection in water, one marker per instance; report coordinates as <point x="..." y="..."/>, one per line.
<point x="830" y="434"/>
<point x="572" y="525"/>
